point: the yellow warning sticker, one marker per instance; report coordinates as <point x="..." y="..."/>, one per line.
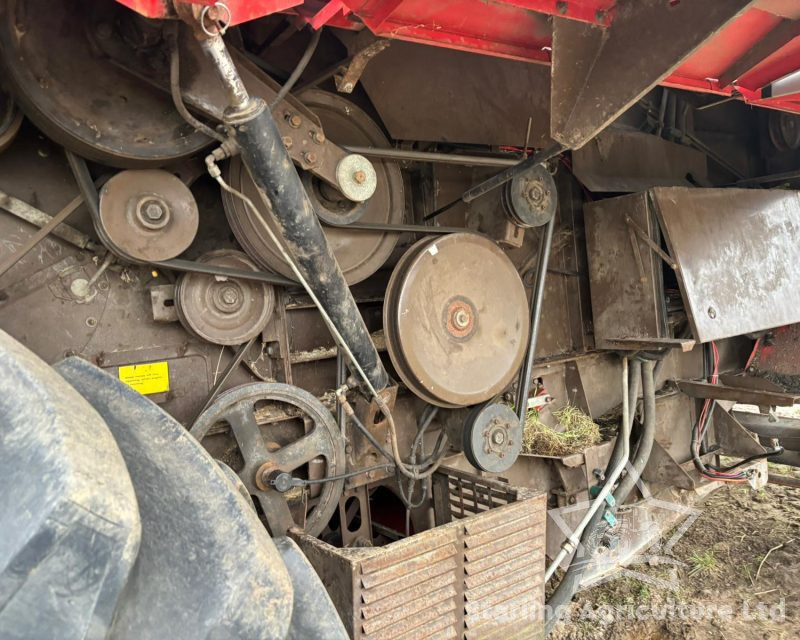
<point x="152" y="377"/>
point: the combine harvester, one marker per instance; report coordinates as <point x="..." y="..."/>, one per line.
<point x="311" y="310"/>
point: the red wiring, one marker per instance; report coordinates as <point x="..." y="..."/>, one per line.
<point x="753" y="354"/>
<point x="720" y="476"/>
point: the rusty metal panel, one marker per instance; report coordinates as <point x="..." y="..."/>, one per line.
<point x="599" y="73"/>
<point x="478" y="576"/>
<point x="625" y="161"/>
<point x="737" y="254"/>
<point x="627" y="296"/>
<point x="458" y="97"/>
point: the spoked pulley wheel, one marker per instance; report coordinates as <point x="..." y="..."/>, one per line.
<point x="456" y="319"/>
<point x="359" y="253"/>
<point x="221" y="310"/>
<point x="299" y="431"/>
<point x="53" y="57"/>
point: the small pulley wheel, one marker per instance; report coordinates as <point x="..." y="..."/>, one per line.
<point x="531" y="198"/>
<point x="456" y="319"/>
<point x="222" y="310"/>
<point x="380" y="183"/>
<point x="147" y="215"/>
<point x="303" y="435"/>
<point x="492" y="437"/>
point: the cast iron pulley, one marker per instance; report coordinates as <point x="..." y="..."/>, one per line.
<point x="10" y="120"/>
<point x="492" y="437"/>
<point x="300" y="437"/>
<point x="222" y="310"/>
<point x="456" y="320"/>
<point x="53" y="57"/>
<point x="531" y="198"/>
<point x="147" y="215"/>
<point x="359" y="253"/>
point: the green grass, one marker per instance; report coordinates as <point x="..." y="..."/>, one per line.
<point x="579" y="433"/>
<point x="703" y="562"/>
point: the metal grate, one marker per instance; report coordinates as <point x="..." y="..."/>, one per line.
<point x="477" y="575"/>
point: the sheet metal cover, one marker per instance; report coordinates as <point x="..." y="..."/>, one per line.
<point x="738" y="257"/>
<point x="456" y="318"/>
<point x="621" y="161"/>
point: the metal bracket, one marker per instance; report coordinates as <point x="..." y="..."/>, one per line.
<point x="635" y="230"/>
<point x="348" y="75"/>
<point x="734" y="439"/>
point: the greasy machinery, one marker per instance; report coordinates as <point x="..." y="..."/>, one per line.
<point x="343" y="268"/>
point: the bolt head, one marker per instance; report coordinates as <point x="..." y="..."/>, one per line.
<point x="712" y="312"/>
<point x="499" y="437"/>
<point x="359" y="177"/>
<point x="318" y="136"/>
<point x="287" y="142"/>
<point x="154" y="211"/>
<point x="536" y="193"/>
<point x="230" y="296"/>
<point x="295" y="121"/>
<point x="310" y="157"/>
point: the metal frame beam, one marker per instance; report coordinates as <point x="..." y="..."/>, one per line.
<point x="598" y="73"/>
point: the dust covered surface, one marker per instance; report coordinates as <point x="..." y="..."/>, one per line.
<point x="722" y="566"/>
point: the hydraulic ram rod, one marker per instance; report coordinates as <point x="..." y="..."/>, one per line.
<point x="265" y="155"/>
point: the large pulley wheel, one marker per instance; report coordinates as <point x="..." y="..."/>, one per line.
<point x="147" y="215"/>
<point x="359" y="253"/>
<point x="50" y="53"/>
<point x="273" y="448"/>
<point x="492" y="437"/>
<point x="221" y="310"/>
<point x="456" y="320"/>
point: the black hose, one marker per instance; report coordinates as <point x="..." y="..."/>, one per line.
<point x="298" y="70"/>
<point x="175" y="92"/>
<point x="593" y="534"/>
<point x="645" y="446"/>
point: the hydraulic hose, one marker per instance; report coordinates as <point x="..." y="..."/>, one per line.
<point x="594" y="531"/>
<point x="645" y="446"/>
<point x="571" y="543"/>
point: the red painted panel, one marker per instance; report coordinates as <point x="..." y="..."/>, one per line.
<point x="469" y="25"/>
<point x="779" y="64"/>
<point x="730" y="44"/>
<point x="520" y="29"/>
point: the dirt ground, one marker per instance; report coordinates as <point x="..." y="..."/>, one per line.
<point x="743" y="552"/>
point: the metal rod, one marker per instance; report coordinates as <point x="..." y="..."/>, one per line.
<point x="341" y="376"/>
<point x="176" y="264"/>
<point x="34" y="216"/>
<point x="40" y="235"/>
<point x="537" y="299"/>
<point x="397" y="228"/>
<point x="430" y="156"/>
<point x="216" y="50"/>
<point x="775" y="177"/>
<point x="512" y="172"/>
<point x="237" y="360"/>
